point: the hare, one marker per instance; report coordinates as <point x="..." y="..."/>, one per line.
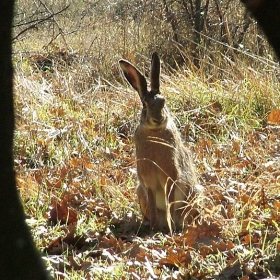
<point x="168" y="182"/>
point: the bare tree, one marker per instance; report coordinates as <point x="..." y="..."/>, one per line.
<point x="19" y="258"/>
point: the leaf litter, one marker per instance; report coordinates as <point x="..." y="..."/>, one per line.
<point x="180" y="256"/>
<point x="89" y="217"/>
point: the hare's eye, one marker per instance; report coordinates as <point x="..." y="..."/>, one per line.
<point x="145" y="104"/>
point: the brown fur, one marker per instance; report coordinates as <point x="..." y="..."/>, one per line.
<point x="166" y="173"/>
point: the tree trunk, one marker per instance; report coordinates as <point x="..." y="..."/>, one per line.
<point x="267" y="13"/>
<point x="19" y="258"/>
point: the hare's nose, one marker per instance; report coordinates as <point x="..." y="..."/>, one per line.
<point x="158" y="121"/>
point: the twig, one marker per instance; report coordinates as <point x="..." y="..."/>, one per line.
<point x="34" y="25"/>
<point x="56" y="23"/>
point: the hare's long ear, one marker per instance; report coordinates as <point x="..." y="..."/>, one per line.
<point x="134" y="77"/>
<point x="155" y="72"/>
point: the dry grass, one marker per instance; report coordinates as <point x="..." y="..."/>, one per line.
<point x="74" y="154"/>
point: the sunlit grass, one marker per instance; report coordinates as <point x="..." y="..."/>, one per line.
<point x="74" y="149"/>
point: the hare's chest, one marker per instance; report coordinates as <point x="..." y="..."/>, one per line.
<point x="155" y="147"/>
<point x="155" y="154"/>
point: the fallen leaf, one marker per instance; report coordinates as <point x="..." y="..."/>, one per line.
<point x="195" y="232"/>
<point x="216" y="107"/>
<point x="61" y="212"/>
<point x="274" y="117"/>
<point x="176" y="257"/>
<point x="71" y="238"/>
